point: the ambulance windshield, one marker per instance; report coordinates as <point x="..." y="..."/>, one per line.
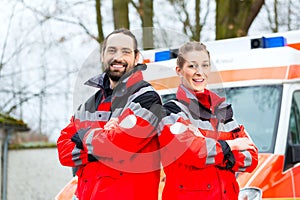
<point x="257" y="108"/>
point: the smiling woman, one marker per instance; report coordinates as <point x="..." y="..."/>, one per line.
<point x="193" y="67"/>
<point x="199" y="136"/>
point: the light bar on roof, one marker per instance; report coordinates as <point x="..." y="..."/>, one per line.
<point x="165" y="55"/>
<point x="270" y="42"/>
<point x="162" y="55"/>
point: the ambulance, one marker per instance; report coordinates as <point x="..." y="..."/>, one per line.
<point x="260" y="77"/>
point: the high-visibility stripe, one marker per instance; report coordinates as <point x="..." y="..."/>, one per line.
<point x="130" y="99"/>
<point x="247" y="161"/>
<point x="102" y="116"/>
<point x="205" y="125"/>
<point x="211" y="150"/>
<point x="76" y="156"/>
<point x="229" y="126"/>
<point x="89" y="140"/>
<point x="280" y="72"/>
<point x="169" y="120"/>
<point x="143" y="113"/>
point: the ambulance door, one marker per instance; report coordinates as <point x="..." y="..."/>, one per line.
<point x="292" y="157"/>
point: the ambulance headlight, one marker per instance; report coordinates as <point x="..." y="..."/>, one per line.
<point x="250" y="194"/>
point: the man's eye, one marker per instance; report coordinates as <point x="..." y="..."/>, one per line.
<point x="111" y="51"/>
<point x="192" y="66"/>
<point x="126" y="51"/>
<point x="205" y="65"/>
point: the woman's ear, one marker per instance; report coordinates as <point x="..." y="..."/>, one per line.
<point x="178" y="71"/>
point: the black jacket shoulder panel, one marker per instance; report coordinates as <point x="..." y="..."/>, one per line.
<point x="147" y="99"/>
<point x="171" y="107"/>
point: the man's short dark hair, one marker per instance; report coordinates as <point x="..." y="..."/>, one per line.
<point x="125" y="32"/>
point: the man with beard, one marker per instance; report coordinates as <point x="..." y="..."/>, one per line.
<point x="112" y="138"/>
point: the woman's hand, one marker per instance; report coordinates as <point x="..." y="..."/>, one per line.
<point x="111" y="124"/>
<point x="241" y="144"/>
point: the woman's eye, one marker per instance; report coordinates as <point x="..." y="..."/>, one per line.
<point x="205" y="65"/>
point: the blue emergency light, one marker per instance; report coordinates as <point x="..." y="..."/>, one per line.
<point x="162" y="55"/>
<point x="270" y="42"/>
<point x="165" y="55"/>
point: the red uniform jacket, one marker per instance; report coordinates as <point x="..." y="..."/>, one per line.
<point x="197" y="161"/>
<point x="122" y="163"/>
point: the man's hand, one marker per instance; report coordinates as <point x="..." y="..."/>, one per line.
<point x="78" y="137"/>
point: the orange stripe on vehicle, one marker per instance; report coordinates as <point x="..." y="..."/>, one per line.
<point x="295" y="46"/>
<point x="294" y="72"/>
<point x="249" y="74"/>
<point x="165" y="83"/>
<point x="281" y="198"/>
<point x="282" y="72"/>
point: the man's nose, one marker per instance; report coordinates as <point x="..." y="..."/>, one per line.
<point x="118" y="55"/>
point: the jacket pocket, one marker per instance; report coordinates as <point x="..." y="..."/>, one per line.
<point x="200" y="179"/>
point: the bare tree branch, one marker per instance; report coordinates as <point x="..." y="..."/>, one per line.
<point x="203" y="23"/>
<point x="21" y="92"/>
<point x="6" y="38"/>
<point x="47" y="17"/>
<point x="134" y="5"/>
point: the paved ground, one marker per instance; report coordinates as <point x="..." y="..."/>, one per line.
<point x="35" y="174"/>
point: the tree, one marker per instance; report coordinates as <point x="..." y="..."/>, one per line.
<point x="100" y="37"/>
<point x="282" y="16"/>
<point x="234" y="18"/>
<point x="185" y="17"/>
<point x="120" y="14"/>
<point x="145" y="10"/>
<point x="36" y="61"/>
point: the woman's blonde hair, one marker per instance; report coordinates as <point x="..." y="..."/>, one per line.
<point x="188" y="47"/>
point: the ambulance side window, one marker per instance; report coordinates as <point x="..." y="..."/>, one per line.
<point x="294" y="126"/>
<point x="293" y="143"/>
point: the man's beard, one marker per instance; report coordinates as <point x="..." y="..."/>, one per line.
<point x="113" y="76"/>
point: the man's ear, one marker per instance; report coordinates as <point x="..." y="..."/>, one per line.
<point x="137" y="58"/>
<point x="101" y="57"/>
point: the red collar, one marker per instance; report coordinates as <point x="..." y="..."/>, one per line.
<point x="208" y="99"/>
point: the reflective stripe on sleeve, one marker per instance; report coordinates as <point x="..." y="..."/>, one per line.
<point x="247" y="161"/>
<point x="103" y="116"/>
<point x="76" y="156"/>
<point x="143" y="113"/>
<point x="89" y="140"/>
<point x="229" y="126"/>
<point x="211" y="151"/>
